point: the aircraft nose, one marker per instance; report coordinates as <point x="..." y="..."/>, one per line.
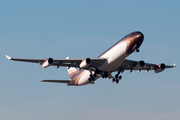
<point x="138" y="39"/>
<point x="139" y="36"/>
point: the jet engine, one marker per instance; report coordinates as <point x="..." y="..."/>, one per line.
<point x="139" y="65"/>
<point x="160" y="68"/>
<point x="85" y="63"/>
<point x="47" y="62"/>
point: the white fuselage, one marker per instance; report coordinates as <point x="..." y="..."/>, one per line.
<point x="114" y="56"/>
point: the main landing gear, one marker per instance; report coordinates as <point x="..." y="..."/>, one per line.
<point x="92" y="75"/>
<point x="105" y="75"/>
<point x="118" y="76"/>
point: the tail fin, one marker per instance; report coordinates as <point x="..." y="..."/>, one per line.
<point x="71" y="71"/>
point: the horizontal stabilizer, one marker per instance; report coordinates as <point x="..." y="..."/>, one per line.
<point x="56" y="81"/>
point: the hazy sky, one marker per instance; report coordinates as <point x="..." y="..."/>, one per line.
<point x="81" y="29"/>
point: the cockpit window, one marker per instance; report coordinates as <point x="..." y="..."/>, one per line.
<point x="130" y="35"/>
<point x="135" y="33"/>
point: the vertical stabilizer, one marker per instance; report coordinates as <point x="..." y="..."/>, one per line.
<point x="71" y="71"/>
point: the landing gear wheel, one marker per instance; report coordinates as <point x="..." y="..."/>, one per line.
<point x="103" y="76"/>
<point x="113" y="80"/>
<point x="94" y="75"/>
<point x="136" y="50"/>
<point x="117" y="81"/>
<point x="89" y="79"/>
<point x="116" y="76"/>
<point x="120" y="77"/>
<point x="91" y="76"/>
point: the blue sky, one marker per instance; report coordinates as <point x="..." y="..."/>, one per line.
<point x="81" y="29"/>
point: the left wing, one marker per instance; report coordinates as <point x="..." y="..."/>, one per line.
<point x="84" y="63"/>
<point x="141" y="65"/>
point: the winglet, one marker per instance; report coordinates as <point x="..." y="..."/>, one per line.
<point x="9" y="58"/>
<point x="174" y="64"/>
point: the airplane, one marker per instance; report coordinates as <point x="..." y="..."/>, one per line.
<point x="112" y="60"/>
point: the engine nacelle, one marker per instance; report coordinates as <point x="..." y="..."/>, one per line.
<point x="47" y="62"/>
<point x="160" y="68"/>
<point x="139" y="65"/>
<point x="85" y="63"/>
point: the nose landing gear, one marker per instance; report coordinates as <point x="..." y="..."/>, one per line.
<point x="136" y="50"/>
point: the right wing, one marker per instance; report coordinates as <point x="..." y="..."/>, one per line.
<point x="95" y="62"/>
<point x="141" y="65"/>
